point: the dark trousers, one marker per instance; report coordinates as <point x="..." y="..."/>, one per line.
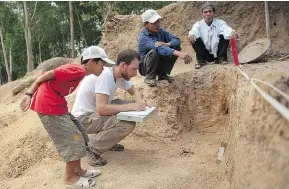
<point x="203" y="54"/>
<point x="154" y="65"/>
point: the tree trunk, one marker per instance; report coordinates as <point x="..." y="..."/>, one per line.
<point x="30" y="65"/>
<point x="80" y="26"/>
<point x="71" y="29"/>
<point x="5" y="55"/>
<point x="0" y="76"/>
<point x="10" y="61"/>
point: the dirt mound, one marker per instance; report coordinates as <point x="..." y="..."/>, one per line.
<point x="247" y="18"/>
<point x="29" y="150"/>
<point x="186" y="104"/>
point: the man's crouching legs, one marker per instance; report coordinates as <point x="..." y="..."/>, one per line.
<point x="112" y="131"/>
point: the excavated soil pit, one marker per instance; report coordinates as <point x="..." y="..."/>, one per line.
<point x="177" y="148"/>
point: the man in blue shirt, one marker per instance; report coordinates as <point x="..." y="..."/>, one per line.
<point x="158" y="49"/>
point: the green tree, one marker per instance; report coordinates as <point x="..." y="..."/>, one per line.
<point x="8" y="16"/>
<point x="27" y="30"/>
<point x="49" y="25"/>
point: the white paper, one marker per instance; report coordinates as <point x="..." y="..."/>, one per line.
<point x="139" y="113"/>
<point x="137" y="116"/>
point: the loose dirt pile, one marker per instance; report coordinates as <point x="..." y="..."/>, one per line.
<point x="177" y="148"/>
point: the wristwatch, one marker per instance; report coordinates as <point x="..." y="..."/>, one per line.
<point x="29" y="94"/>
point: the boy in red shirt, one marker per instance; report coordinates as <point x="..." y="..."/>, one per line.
<point x="48" y="92"/>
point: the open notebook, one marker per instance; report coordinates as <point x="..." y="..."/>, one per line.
<point x="137" y="116"/>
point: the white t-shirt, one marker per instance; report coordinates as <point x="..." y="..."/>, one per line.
<point x="85" y="100"/>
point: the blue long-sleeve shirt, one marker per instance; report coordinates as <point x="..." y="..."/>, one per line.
<point x="147" y="41"/>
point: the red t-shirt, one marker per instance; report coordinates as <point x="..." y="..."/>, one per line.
<point x="49" y="97"/>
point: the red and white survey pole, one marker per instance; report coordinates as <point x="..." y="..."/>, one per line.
<point x="234" y="50"/>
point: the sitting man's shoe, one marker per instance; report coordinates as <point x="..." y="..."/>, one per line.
<point x="222" y="61"/>
<point x="117" y="147"/>
<point x="200" y="63"/>
<point x="166" y="77"/>
<point x="94" y="159"/>
<point x="150" y="82"/>
<point x="169" y="79"/>
<point x="198" y="66"/>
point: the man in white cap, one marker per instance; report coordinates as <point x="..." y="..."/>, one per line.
<point x="210" y="38"/>
<point x="95" y="108"/>
<point x="158" y="49"/>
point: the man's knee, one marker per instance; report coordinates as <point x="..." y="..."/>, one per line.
<point x="152" y="54"/>
<point x="197" y="44"/>
<point x="128" y="128"/>
<point x="223" y="40"/>
<point x="199" y="41"/>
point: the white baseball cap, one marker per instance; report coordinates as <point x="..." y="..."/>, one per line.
<point x="97" y="52"/>
<point x="150" y="16"/>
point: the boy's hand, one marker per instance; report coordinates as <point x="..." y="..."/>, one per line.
<point x="25" y="103"/>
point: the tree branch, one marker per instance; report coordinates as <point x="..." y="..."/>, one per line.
<point x="80" y="26"/>
<point x="34" y="11"/>
<point x="10" y="60"/>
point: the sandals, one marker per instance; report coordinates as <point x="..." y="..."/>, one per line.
<point x="85" y="181"/>
<point x="117" y="147"/>
<point x="91" y="173"/>
<point x="81" y="183"/>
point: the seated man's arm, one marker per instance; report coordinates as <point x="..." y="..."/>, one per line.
<point x="225" y="30"/>
<point x="102" y="91"/>
<point x="174" y="41"/>
<point x="194" y="33"/>
<point x="135" y="94"/>
<point x="105" y="109"/>
<point x="146" y="43"/>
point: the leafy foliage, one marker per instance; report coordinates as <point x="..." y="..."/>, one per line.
<point x="49" y="23"/>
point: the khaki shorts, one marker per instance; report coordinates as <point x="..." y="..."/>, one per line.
<point x="65" y="135"/>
